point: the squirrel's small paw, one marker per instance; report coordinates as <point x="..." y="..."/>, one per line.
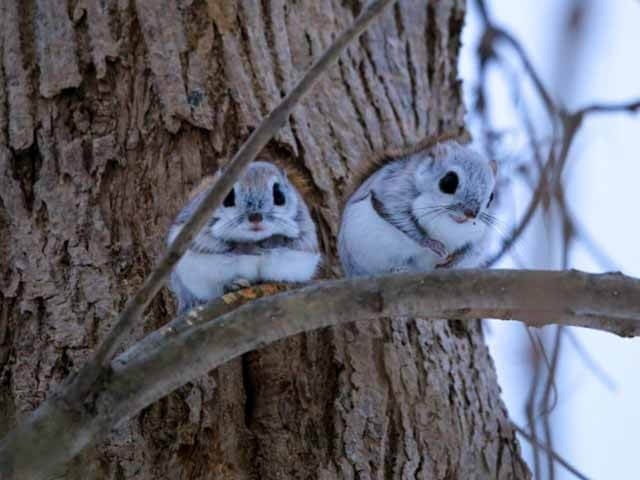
<point x="435" y="246"/>
<point x="236" y="284"/>
<point x="449" y="261"/>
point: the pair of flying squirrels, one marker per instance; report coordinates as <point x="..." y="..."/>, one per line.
<point x="418" y="211"/>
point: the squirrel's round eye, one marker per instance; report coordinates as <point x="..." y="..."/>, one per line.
<point x="278" y="196"/>
<point x="449" y="183"/>
<point x="490" y="200"/>
<point x="230" y="199"/>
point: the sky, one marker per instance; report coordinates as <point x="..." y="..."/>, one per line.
<point x="596" y="420"/>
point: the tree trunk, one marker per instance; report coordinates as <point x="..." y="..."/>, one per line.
<point x="110" y="111"/>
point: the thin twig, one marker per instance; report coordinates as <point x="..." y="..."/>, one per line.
<point x="535" y="201"/>
<point x="538" y="344"/>
<point x="530" y="404"/>
<point x="544" y="94"/>
<point x="570" y="121"/>
<point x="482" y="8"/>
<point x="547" y="404"/>
<point x="570" y="468"/>
<point x="589" y="362"/>
<point x="625" y="107"/>
<point x="549" y="186"/>
<point x="494" y="34"/>
<point x="545" y="185"/>
<point x="597" y="252"/>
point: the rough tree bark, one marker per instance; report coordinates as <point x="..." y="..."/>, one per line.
<point x="109" y="113"/>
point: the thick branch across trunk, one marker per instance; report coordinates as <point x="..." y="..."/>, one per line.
<point x="198" y="342"/>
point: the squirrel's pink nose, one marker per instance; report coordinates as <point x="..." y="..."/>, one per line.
<point x="255" y="217"/>
<point x="470" y="212"/>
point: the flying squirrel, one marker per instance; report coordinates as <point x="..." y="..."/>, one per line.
<point x="419" y="209"/>
<point x="262" y="232"/>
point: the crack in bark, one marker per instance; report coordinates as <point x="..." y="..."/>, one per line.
<point x="392" y="105"/>
<point x="354" y="103"/>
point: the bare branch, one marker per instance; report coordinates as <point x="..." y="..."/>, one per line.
<point x="172" y="357"/>
<point x="589" y="362"/>
<point x="538" y="352"/>
<point x="550" y="452"/>
<point x="544" y="94"/>
<point x="545" y="185"/>
<point x="550" y="176"/>
<point x="547" y="403"/>
<point x="628" y="107"/>
<point x="549" y="187"/>
<point x="482" y="8"/>
<point x="536" y="199"/>
<point x="492" y="34"/>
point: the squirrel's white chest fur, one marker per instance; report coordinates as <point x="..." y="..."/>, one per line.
<point x="206" y="274"/>
<point x="373" y="245"/>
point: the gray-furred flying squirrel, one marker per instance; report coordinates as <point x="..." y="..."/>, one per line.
<point x="262" y="232"/>
<point x="421" y="210"/>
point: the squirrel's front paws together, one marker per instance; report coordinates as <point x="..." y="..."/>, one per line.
<point x="436" y="246"/>
<point x="236" y="284"/>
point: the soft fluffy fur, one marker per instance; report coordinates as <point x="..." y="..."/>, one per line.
<point x="400" y="220"/>
<point x="230" y="249"/>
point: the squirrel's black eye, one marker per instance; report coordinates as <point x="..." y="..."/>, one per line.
<point x="230" y="199"/>
<point x="278" y="196"/>
<point x="490" y="200"/>
<point x="449" y="183"/>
